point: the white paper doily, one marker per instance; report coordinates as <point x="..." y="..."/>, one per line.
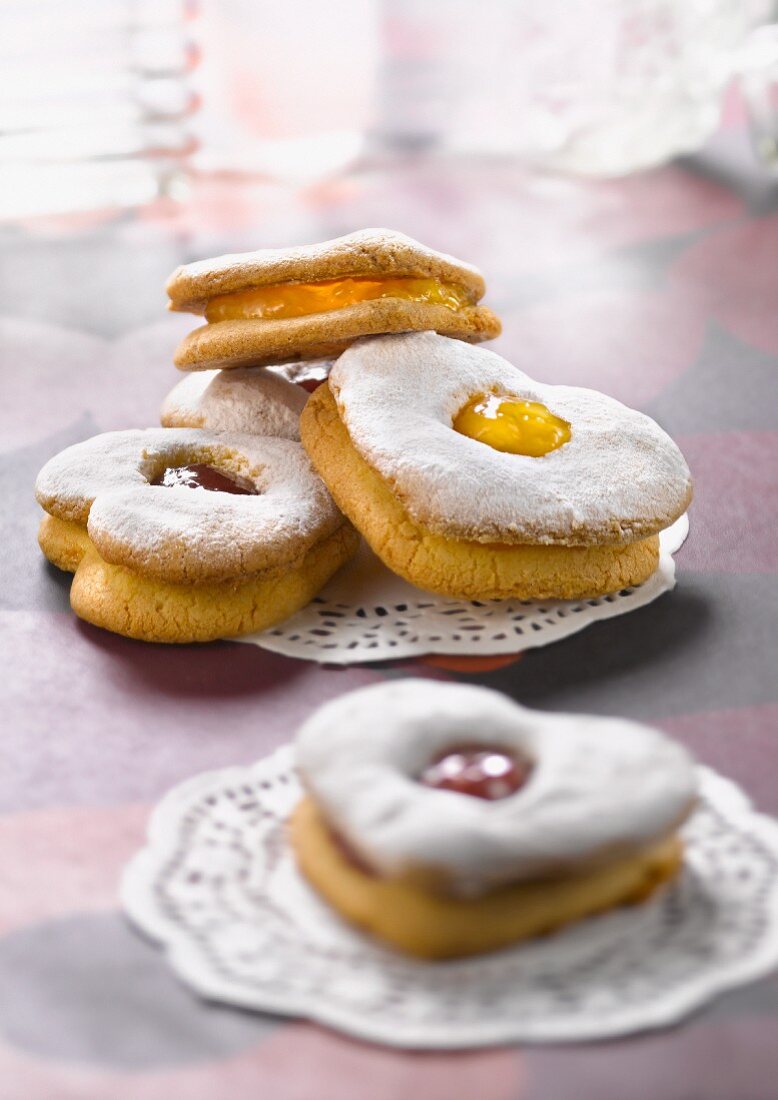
<point x="218" y="886"/>
<point x="366" y="613"/>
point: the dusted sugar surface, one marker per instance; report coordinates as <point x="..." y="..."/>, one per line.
<point x="456" y="567"/>
<point x="250" y="400"/>
<point x="620" y="477"/>
<point x="599" y="788"/>
<point x="184" y="535"/>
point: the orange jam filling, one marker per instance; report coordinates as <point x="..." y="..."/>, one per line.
<point x="512" y="424"/>
<point x="299" y="299"/>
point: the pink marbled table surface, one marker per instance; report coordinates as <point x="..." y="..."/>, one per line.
<point x="661" y="290"/>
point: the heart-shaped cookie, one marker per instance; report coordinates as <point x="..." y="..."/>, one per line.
<point x="470" y="479"/>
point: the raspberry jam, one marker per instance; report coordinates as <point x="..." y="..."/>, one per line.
<point x="199" y="475"/>
<point x="489" y="773"/>
<point x="310" y="384"/>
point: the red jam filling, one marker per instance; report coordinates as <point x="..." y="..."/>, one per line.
<point x="489" y="773"/>
<point x="310" y="384"/>
<point x="199" y="475"/>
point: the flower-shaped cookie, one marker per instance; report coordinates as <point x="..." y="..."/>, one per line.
<point x="181" y="535"/>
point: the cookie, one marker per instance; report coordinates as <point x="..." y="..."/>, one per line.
<point x="182" y="535"/>
<point x="466" y="822"/>
<point x="277" y="306"/>
<point x="431" y="926"/>
<point x="574" y="512"/>
<point x="255" y="401"/>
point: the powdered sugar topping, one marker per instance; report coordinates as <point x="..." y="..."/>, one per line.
<point x="619" y="478"/>
<point x="599" y="786"/>
<point x="190" y="535"/>
<point x="246" y="399"/>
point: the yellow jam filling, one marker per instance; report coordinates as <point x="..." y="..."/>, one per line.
<point x="300" y="299"/>
<point x="512" y="424"/>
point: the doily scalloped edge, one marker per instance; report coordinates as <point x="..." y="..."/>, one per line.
<point x="137" y="899"/>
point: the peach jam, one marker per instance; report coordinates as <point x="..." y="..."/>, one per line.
<point x="300" y="299"/>
<point x="479" y="771"/>
<point x="199" y="475"/>
<point x="512" y="424"/>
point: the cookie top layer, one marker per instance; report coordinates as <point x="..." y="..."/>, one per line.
<point x="600" y="788"/>
<point x="190" y="536"/>
<point x="368" y="252"/>
<point x="618" y="479"/>
<point x="254" y="401"/>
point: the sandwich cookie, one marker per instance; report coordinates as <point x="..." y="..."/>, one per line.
<point x="181" y="535"/>
<point x="277" y="306"/>
<point x="464" y="822"/>
<point x="470" y="479"/>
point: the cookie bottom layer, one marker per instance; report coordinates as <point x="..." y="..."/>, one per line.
<point x="124" y="602"/>
<point x="434" y="926"/>
<point x="453" y="567"/>
<point x="245" y="343"/>
<point x="64" y="542"/>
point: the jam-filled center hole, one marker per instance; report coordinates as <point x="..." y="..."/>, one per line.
<point x="512" y="424"/>
<point x="477" y="770"/>
<point x="201" y="475"/>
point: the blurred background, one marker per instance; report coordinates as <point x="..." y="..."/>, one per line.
<point x="115" y="103"/>
<point x="137" y="134"/>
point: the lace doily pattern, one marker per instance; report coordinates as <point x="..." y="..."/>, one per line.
<point x="218" y="886"/>
<point x="366" y="613"/>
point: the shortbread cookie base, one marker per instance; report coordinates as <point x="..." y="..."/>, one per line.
<point x="452" y="567"/>
<point x="124" y="602"/>
<point x="435" y="926"/>
<point x="64" y="542"/>
<point x="244" y="343"/>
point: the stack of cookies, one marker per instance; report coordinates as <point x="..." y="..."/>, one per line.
<point x="281" y="316"/>
<point x="217" y="524"/>
<point x="464" y="475"/>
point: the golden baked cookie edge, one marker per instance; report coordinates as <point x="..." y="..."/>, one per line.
<point x="450" y="566"/>
<point x="124" y="602"/>
<point x="240" y="343"/>
<point x="434" y="926"/>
